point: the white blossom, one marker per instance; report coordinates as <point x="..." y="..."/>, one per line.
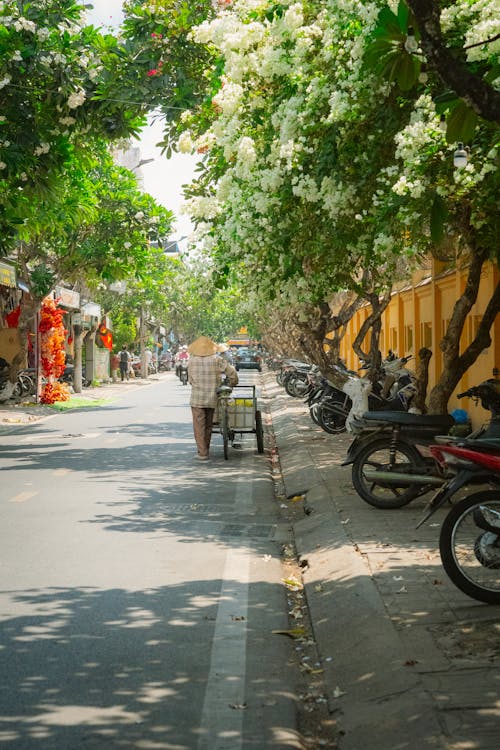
<point x="43" y="148"/>
<point x="76" y="99"/>
<point x="185" y="143"/>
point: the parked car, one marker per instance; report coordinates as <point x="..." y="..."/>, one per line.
<point x="248" y="359"/>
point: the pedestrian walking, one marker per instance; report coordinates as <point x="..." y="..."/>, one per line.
<point x="205" y="376"/>
<point x="115" y="366"/>
<point x="125" y="360"/>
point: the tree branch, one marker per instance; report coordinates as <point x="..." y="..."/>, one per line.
<point x="473" y="89"/>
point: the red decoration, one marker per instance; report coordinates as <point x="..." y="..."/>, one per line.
<point x="53" y="356"/>
<point x="105" y="336"/>
<point x="12" y="319"/>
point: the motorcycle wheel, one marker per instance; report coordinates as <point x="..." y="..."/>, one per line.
<point x="224" y="428"/>
<point x="471" y="555"/>
<point x="375" y="457"/>
<point x="279" y="377"/>
<point x="259" y="432"/>
<point x="296" y="386"/>
<point x="331" y="421"/>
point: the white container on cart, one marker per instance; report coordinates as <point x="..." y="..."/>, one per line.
<point x="241" y="412"/>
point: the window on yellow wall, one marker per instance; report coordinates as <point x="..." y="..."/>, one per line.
<point x="394" y="339"/>
<point x="426" y="334"/>
<point x="408" y="340"/>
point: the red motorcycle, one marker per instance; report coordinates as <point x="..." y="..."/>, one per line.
<point x="469" y="541"/>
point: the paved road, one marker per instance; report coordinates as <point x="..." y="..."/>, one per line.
<point x="138" y="588"/>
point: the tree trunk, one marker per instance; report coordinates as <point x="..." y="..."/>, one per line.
<point x="27" y="321"/>
<point x="79" y="334"/>
<point x="422" y="376"/>
<point x="374" y="323"/>
<point x="455" y="364"/>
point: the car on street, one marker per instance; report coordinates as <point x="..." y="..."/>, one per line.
<point x="248" y="359"/>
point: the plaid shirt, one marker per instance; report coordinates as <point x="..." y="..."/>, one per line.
<point x="205" y="376"/>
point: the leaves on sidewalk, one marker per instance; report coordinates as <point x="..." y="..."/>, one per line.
<point x="292" y="633"/>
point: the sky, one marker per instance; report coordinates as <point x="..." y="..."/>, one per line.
<point x="163" y="178"/>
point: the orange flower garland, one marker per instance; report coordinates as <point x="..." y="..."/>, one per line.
<point x="53" y="356"/>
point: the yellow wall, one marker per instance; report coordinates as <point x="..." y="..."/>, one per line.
<point x="417" y="316"/>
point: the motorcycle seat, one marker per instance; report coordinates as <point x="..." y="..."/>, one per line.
<point x="478" y="444"/>
<point x="439" y="421"/>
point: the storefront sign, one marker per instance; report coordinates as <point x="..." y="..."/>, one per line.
<point x="7" y="275"/>
<point x="92" y="309"/>
<point x="67" y="298"/>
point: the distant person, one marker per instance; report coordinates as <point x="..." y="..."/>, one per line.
<point x="115" y="366"/>
<point x="125" y="363"/>
<point x="205" y="375"/>
<point x="181" y="359"/>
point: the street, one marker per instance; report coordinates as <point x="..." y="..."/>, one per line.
<point x="139" y="588"/>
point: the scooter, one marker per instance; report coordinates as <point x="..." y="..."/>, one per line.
<point x="389" y="470"/>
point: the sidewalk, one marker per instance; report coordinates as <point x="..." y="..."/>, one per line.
<point x="409" y="661"/>
<point x="14" y="415"/>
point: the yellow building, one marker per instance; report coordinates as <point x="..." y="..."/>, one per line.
<point x="418" y="315"/>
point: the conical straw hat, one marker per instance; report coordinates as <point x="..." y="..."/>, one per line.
<point x="203" y="347"/>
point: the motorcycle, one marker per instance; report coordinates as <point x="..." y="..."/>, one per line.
<point x="293" y="376"/>
<point x="335" y="409"/>
<point x="183" y="374"/>
<point x="469" y="540"/>
<point x="389" y="470"/>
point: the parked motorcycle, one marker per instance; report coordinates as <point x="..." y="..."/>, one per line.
<point x="389" y="470"/>
<point x="469" y="541"/>
<point x="293" y="376"/>
<point x="334" y="409"/>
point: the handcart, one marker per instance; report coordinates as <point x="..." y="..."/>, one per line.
<point x="237" y="413"/>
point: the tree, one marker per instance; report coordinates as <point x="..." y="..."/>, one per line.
<point x="50" y="66"/>
<point x="98" y="232"/>
<point x="323" y="154"/>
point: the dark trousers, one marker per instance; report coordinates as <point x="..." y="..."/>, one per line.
<point x="124" y="370"/>
<point x="202" y="427"/>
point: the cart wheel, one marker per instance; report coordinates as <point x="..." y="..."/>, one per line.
<point x="224" y="428"/>
<point x="259" y="431"/>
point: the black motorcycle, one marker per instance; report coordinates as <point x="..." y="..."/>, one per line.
<point x="183" y="374"/>
<point x="388" y="468"/>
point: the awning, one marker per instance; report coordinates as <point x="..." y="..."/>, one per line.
<point x="7" y="275"/>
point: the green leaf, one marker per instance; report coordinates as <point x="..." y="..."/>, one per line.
<point x="439" y="214"/>
<point x="388" y="22"/>
<point x="406" y="72"/>
<point x="403" y="15"/>
<point x="461" y="123"/>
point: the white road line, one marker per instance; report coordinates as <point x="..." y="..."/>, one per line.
<point x="223" y="708"/>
